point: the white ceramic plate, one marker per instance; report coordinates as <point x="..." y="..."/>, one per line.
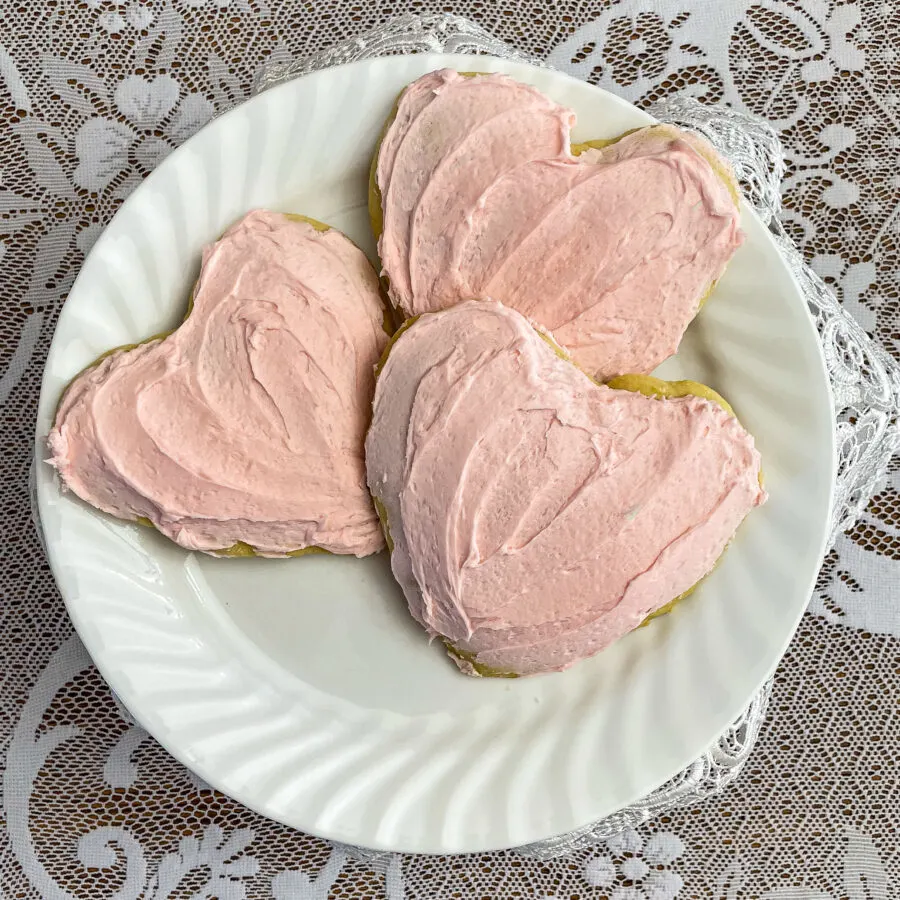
<point x="301" y="687"/>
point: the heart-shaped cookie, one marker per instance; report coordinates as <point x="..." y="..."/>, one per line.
<point x="478" y="194"/>
<point x="536" y="516"/>
<point x="242" y="431"/>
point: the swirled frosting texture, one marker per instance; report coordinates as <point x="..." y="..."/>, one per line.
<point x="535" y="516"/>
<point x="612" y="250"/>
<point x="248" y="422"/>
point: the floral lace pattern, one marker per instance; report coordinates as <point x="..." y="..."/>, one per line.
<point x="93" y="808"/>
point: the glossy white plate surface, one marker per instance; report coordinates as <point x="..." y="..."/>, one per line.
<point x="301" y="687"/>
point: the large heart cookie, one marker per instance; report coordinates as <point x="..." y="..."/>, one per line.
<point x="242" y="431"/>
<point x="534" y="515"/>
<point x="477" y="194"/>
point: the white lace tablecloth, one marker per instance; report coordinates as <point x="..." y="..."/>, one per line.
<point x="95" y="93"/>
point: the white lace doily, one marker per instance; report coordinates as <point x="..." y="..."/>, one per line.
<point x="93" y="808"/>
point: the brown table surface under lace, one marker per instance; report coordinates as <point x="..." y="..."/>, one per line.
<point x="95" y="93"/>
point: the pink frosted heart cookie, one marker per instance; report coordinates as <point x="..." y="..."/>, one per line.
<point x="241" y="431"/>
<point x="477" y="193"/>
<point x="535" y="516"/>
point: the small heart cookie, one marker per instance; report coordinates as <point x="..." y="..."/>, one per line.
<point x="477" y="193"/>
<point x="536" y="516"/>
<point x="242" y="431"/>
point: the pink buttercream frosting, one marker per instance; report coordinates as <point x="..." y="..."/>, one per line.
<point x="537" y="517"/>
<point x="248" y="422"/>
<point x="612" y="250"/>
